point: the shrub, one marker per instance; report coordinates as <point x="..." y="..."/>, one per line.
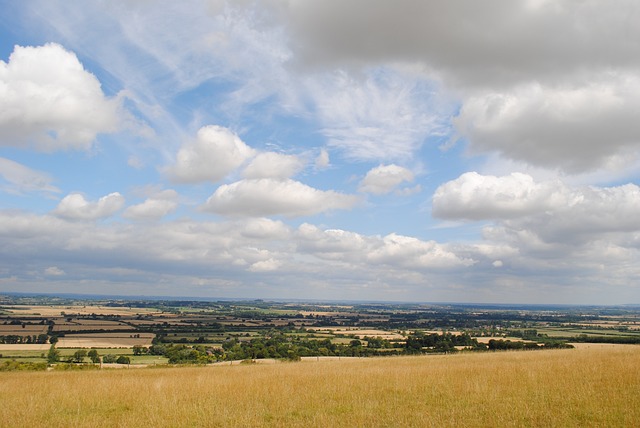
<point x="71" y="366"/>
<point x="122" y="359"/>
<point x="9" y="366"/>
<point x="109" y="359"/>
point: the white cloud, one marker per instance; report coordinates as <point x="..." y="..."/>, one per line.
<point x="408" y="191"/>
<point x="322" y="161"/>
<point x="566" y="102"/>
<point x="265" y="266"/>
<point x="609" y="214"/>
<point x="254" y="245"/>
<point x="54" y="271"/>
<point x="273" y="165"/>
<point x="547" y="212"/>
<point x="154" y="207"/>
<point x="75" y="207"/>
<point x="371" y="252"/>
<point x="266" y="197"/>
<point x="135" y="162"/>
<point x="574" y="127"/>
<point x="50" y="102"/>
<point x="216" y="152"/>
<point x="332" y="244"/>
<point x="523" y="44"/>
<point x="384" y="179"/>
<point x="151" y="255"/>
<point x="22" y="179"/>
<point x="383" y="115"/>
<point x="382" y="112"/>
<point x="477" y="197"/>
<point x="411" y="252"/>
<point x="264" y="228"/>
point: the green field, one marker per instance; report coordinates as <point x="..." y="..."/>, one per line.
<point x="571" y="332"/>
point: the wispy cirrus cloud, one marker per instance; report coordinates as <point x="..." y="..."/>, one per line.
<point x="21" y="179"/>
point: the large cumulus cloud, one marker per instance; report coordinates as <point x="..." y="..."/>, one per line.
<point x="155" y="207"/>
<point x="266" y="197"/>
<point x="215" y="152"/>
<point x="150" y="254"/>
<point x="551" y="84"/>
<point x="75" y="207"/>
<point x="384" y="179"/>
<point x="50" y="102"/>
<point x="527" y="39"/>
<point x="575" y="127"/>
<point x="550" y="212"/>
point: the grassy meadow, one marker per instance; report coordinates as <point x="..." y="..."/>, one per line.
<point x="597" y="387"/>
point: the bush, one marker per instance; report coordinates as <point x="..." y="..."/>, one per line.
<point x="9" y="366"/>
<point x="95" y="357"/>
<point x="122" y="359"/>
<point x="68" y="366"/>
<point x="109" y="359"/>
<point x="78" y="356"/>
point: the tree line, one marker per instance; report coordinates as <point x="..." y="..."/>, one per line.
<point x="282" y="346"/>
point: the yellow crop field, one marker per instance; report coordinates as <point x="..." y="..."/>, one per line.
<point x="360" y="333"/>
<point x="27" y="330"/>
<point x="24" y="347"/>
<point x="84" y="326"/>
<point x="105" y="340"/>
<point x="597" y="387"/>
<point x="56" y="310"/>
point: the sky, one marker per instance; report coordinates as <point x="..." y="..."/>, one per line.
<point x="405" y="150"/>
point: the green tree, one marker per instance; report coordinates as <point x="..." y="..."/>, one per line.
<point x="109" y="358"/>
<point x="123" y="359"/>
<point x="139" y="350"/>
<point x="158" y="349"/>
<point x="93" y="354"/>
<point x="78" y="356"/>
<point x="53" y="356"/>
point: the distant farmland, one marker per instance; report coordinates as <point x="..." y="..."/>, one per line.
<point x="105" y="340"/>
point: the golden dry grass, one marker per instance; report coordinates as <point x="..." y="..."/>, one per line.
<point x="598" y="387"/>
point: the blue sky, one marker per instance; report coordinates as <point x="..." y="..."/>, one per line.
<point x="369" y="150"/>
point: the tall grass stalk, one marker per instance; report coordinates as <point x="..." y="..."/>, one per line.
<point x="594" y="387"/>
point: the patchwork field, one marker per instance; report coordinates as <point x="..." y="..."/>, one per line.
<point x="586" y="346"/>
<point x="89" y="325"/>
<point x="7" y="329"/>
<point x="56" y="310"/>
<point x="362" y="333"/>
<point x="24" y="347"/>
<point x="487" y="339"/>
<point x="596" y="387"/>
<point x="105" y="340"/>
